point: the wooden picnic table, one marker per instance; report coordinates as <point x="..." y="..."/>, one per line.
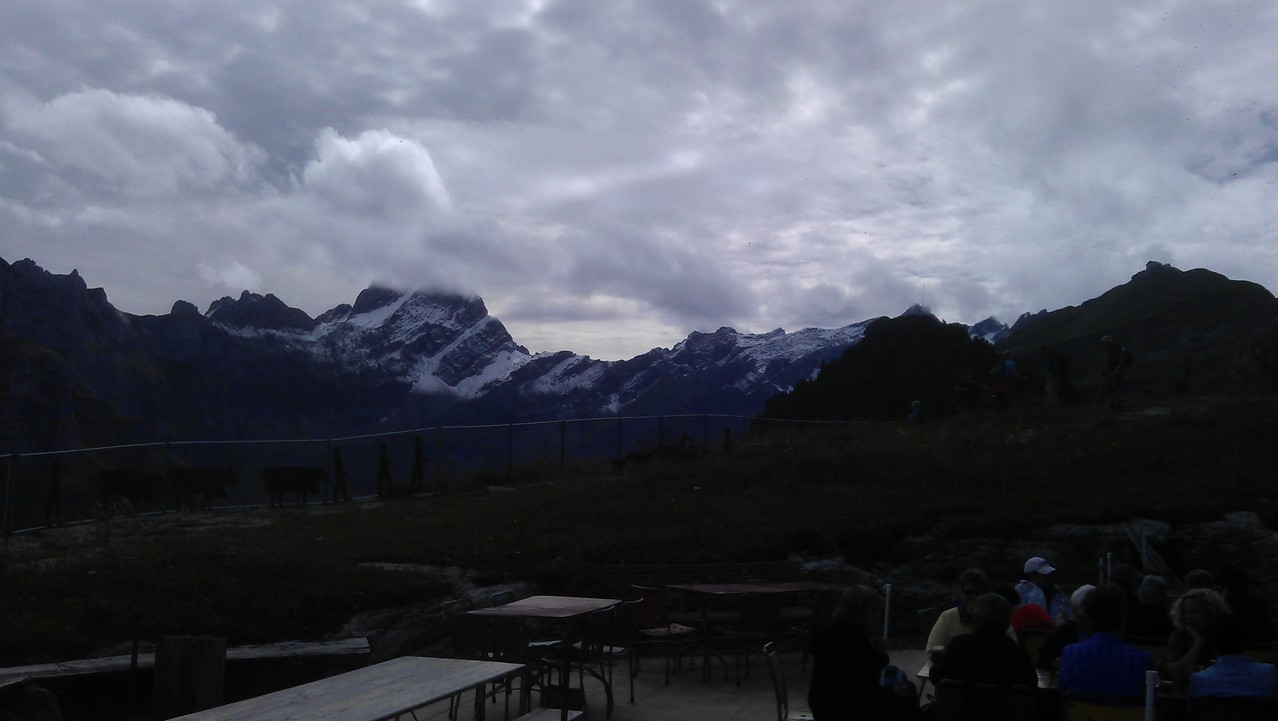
<point x="373" y="693"/>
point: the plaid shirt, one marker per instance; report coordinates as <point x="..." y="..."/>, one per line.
<point x="1234" y="675"/>
<point x="1104" y="666"/>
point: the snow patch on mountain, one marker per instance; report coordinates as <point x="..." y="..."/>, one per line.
<point x="378" y="316"/>
<point x="570" y="374"/>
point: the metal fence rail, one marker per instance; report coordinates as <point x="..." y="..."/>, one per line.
<point x="57" y="487"/>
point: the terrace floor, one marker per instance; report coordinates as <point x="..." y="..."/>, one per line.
<point x="688" y="697"/>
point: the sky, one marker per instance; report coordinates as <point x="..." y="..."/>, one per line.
<point x="610" y="176"/>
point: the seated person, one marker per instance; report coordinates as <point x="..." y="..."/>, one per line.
<point x="1233" y="675"/>
<point x="847" y="659"/>
<point x="1188" y="648"/>
<point x="1037" y="587"/>
<point x="986" y="655"/>
<point x="1149" y="618"/>
<point x="1025" y="615"/>
<point x="1199" y="578"/>
<point x="1103" y="665"/>
<point x="1072" y="631"/>
<point x="958" y="620"/>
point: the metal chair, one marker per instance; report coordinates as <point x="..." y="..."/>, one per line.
<point x="759" y="621"/>
<point x="490" y="638"/>
<point x="778" y="685"/>
<point x="623" y="642"/>
<point x="589" y="655"/>
<point x="657" y="631"/>
<point x="1233" y="709"/>
<point x="454" y="612"/>
<point x="1099" y="708"/>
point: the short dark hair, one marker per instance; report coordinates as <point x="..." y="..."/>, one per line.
<point x="992" y="611"/>
<point x="1106" y="607"/>
<point x="975" y="575"/>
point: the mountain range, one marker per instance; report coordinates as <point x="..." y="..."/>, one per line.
<point x="75" y="371"/>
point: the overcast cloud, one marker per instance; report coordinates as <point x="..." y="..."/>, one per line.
<point x="610" y="176"/>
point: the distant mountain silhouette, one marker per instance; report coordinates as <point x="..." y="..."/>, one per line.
<point x="78" y="372"/>
<point x="1187" y="330"/>
<point x="900" y="360"/>
<point x="75" y="371"/>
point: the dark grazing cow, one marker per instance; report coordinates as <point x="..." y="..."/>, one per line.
<point x="138" y="488"/>
<point x="208" y="483"/>
<point x="298" y="479"/>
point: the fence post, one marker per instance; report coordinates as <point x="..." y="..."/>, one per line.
<point x="440" y="482"/>
<point x="10" y="462"/>
<point x="326" y="464"/>
<point x="618" y="437"/>
<point x="563" y="446"/>
<point x="661" y="431"/>
<point x="510" y="453"/>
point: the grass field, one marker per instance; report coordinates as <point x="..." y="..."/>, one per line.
<point x="297" y="574"/>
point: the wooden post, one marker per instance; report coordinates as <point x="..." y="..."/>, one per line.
<point x="618" y="437"/>
<point x="563" y="446"/>
<point x="440" y="483"/>
<point x="189" y="671"/>
<point x="510" y="453"/>
<point x="8" y="494"/>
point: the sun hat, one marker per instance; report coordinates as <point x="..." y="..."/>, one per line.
<point x="1038" y="564"/>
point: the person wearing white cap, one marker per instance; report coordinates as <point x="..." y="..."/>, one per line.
<point x="1037" y="587"/>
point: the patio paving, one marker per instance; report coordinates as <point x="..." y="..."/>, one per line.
<point x="688" y="697"/>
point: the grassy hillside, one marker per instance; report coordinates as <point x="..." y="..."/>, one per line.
<point x="826" y="490"/>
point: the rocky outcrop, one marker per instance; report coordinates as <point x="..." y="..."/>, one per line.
<point x="923" y="570"/>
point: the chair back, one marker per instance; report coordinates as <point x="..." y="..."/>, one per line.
<point x="654" y="611"/>
<point x="597" y="634"/>
<point x="1263" y="654"/>
<point x="495" y="638"/>
<point x="1033" y="640"/>
<point x="778" y="680"/>
<point x="455" y="613"/>
<point x="625" y="626"/>
<point x="1079" y="708"/>
<point x="1233" y="709"/>
<point x="967" y="701"/>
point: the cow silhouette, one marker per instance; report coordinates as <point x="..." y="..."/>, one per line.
<point x="138" y="489"/>
<point x="301" y="480"/>
<point x="208" y="483"/>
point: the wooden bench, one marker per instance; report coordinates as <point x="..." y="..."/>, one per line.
<point x="351" y="647"/>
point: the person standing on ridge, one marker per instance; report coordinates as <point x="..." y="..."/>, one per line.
<point x="339" y="477"/>
<point x="417" y="480"/>
<point x="383" y="471"/>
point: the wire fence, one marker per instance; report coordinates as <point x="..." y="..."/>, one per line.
<point x="50" y="488"/>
